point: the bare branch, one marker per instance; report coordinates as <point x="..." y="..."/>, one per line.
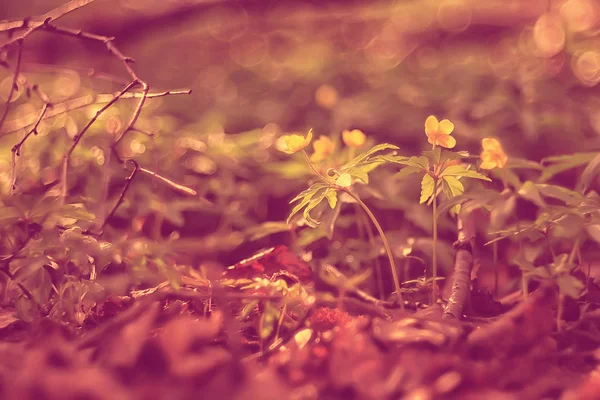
<point x="78" y="136"/>
<point x="13" y="86"/>
<point x="16" y="150"/>
<point x="176" y="186"/>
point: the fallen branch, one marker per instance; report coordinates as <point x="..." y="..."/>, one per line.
<point x="518" y="329"/>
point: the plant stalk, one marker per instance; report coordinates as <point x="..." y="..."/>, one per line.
<point x="434" y="250"/>
<point x="386" y="244"/>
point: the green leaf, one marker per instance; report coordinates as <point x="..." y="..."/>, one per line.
<point x="427" y="184"/>
<point x="448" y="155"/>
<point x="589" y="174"/>
<point x="248" y="308"/>
<point x="459" y="170"/>
<point x="10" y="215"/>
<point x="564" y="163"/>
<point x="569" y="197"/>
<point x="529" y="191"/>
<point x="266" y="229"/>
<point x="507" y="175"/>
<point x="569" y="285"/>
<point x="269" y="318"/>
<point x="522" y="163"/>
<point x="361" y="172"/>
<point x="406" y="171"/>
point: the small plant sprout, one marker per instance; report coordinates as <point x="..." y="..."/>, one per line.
<point x="443" y="172"/>
<point x="335" y="181"/>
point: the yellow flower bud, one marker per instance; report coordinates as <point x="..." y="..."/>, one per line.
<point x="323" y="147"/>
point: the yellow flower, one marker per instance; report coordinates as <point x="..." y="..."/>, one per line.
<point x="323" y="148"/>
<point x="293" y="143"/>
<point x="353" y="138"/>
<point x="438" y="133"/>
<point x="492" y="155"/>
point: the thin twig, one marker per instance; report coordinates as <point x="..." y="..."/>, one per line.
<point x="33" y="24"/>
<point x="16" y="150"/>
<point x="110" y="46"/>
<point x="13" y="86"/>
<point x="81" y="102"/>
<point x="121" y="196"/>
<point x="137" y="168"/>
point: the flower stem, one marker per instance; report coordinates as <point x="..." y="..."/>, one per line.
<point x="386" y="244"/>
<point x="312" y="167"/>
<point x="434" y="250"/>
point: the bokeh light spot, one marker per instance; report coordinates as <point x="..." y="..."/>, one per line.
<point x="586" y="67"/>
<point x="249" y="50"/>
<point x="549" y="35"/>
<point x="454" y="15"/>
<point x="326" y="96"/>
<point x="579" y="15"/>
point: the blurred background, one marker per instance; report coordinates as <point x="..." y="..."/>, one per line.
<point x="525" y="71"/>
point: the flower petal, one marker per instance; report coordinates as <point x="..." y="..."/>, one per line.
<point x="431" y="125"/>
<point x="446" y="127"/>
<point x="487" y="165"/>
<point x="446" y="141"/>
<point x="491" y="144"/>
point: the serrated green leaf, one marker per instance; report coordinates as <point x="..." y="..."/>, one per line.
<point x="427" y="184"/>
<point x="310" y="191"/>
<point x="407" y="171"/>
<point x="331" y="197"/>
<point x="299" y="207"/>
<point x="455" y="186"/>
<point x="362" y="157"/>
<point x="315" y="201"/>
<point x="459" y="170"/>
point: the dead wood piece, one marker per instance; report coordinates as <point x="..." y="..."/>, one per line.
<point x="518" y="329"/>
<point x="461" y="278"/>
